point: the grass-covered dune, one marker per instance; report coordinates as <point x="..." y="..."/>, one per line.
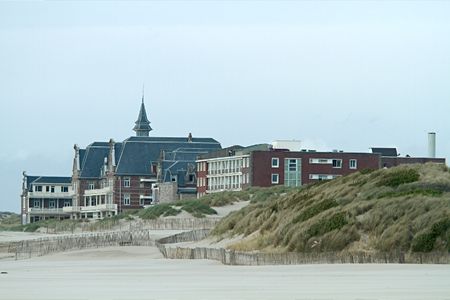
<point x="406" y="208"/>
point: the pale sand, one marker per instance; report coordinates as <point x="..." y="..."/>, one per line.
<point x="141" y="273"/>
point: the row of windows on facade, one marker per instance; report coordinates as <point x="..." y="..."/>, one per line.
<point x="50" y="188"/>
<point x="225" y="166"/>
<point x="227" y="182"/>
<point x="336" y="163"/>
<point x="126" y="182"/>
<point x="38" y="203"/>
<point x="126" y="200"/>
<point x="297" y="181"/>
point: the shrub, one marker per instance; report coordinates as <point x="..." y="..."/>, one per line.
<point x="336" y="221"/>
<point x="196" y="208"/>
<point x="31" y="227"/>
<point x="315" y="210"/>
<point x="366" y="171"/>
<point x="398" y="177"/>
<point x="425" y="241"/>
<point x="158" y="210"/>
<point x="418" y="192"/>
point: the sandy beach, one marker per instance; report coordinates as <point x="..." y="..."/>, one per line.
<point x="142" y="273"/>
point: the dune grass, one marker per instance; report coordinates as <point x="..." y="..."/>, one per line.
<point x="406" y="208"/>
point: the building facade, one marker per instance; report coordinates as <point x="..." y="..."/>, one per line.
<point x="45" y="197"/>
<point x="236" y="170"/>
<point x="110" y="177"/>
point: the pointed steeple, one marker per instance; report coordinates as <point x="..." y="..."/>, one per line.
<point x="142" y="126"/>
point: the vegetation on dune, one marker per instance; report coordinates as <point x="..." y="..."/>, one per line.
<point x="156" y="211"/>
<point x="406" y="208"/>
<point x="194" y="207"/>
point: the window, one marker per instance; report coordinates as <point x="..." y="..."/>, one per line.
<point x="91" y="186"/>
<point x="64" y="189"/>
<point x="47" y="188"/>
<point x="292" y="172"/>
<point x="38" y="188"/>
<point x="67" y="203"/>
<point x="353" y="164"/>
<point x="141" y="200"/>
<point x="275" y="178"/>
<point x="51" y="204"/>
<point x="323" y="176"/>
<point x="275" y="162"/>
<point x="337" y="163"/>
<point x="126" y="182"/>
<point x="52" y="189"/>
<point x="37" y="203"/>
<point x="126" y="199"/>
<point x="322" y="161"/>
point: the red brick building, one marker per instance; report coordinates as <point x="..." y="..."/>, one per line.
<point x="298" y="168"/>
<point x="235" y="168"/>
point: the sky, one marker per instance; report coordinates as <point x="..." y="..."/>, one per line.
<point x="345" y="75"/>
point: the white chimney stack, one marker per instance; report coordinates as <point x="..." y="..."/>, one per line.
<point x="432" y="144"/>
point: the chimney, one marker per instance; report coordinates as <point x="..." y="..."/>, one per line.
<point x="432" y="144"/>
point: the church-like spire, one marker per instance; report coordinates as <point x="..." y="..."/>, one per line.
<point x="142" y="126"/>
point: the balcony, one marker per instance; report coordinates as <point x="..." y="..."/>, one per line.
<point x="67" y="195"/>
<point x="46" y="211"/>
<point x="98" y="192"/>
<point x="100" y="207"/>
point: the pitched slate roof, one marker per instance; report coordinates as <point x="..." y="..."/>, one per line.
<point x="138" y="153"/>
<point x="47" y="180"/>
<point x="93" y="157"/>
<point x="385" y="151"/>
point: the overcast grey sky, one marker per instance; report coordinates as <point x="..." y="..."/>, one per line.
<point x="336" y="75"/>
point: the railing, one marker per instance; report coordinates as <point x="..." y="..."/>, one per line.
<point x="100" y="207"/>
<point x="98" y="192"/>
<point x="50" y="195"/>
<point x="69" y="209"/>
<point x="36" y="210"/>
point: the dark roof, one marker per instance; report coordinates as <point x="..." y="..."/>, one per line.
<point x="93" y="157"/>
<point x="145" y="139"/>
<point x="142" y="122"/>
<point x="385" y="151"/>
<point x="47" y="180"/>
<point x="30" y="180"/>
<point x="138" y="153"/>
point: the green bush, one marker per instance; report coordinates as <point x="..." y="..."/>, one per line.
<point x="415" y="192"/>
<point x="398" y="177"/>
<point x="425" y="242"/>
<point x="196" y="208"/>
<point x="158" y="210"/>
<point x="223" y="198"/>
<point x="31" y="227"/>
<point x="336" y="221"/>
<point x="311" y="211"/>
<point x="366" y="171"/>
